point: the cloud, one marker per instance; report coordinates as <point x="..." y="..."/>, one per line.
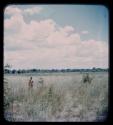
<point x="12" y="10"/>
<point x="85" y="32"/>
<point x="67" y="29"/>
<point x="45" y="44"/>
<point x="33" y="10"/>
<point x="15" y="23"/>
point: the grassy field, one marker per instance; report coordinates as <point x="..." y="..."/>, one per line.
<point x="63" y="97"/>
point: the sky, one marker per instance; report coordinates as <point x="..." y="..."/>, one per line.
<point x="56" y="36"/>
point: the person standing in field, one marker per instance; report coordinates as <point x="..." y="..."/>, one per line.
<point x="30" y="83"/>
<point x="41" y="82"/>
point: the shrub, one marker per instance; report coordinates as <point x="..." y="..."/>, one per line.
<point x="87" y="78"/>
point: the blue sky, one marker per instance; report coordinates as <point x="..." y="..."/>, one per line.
<point x="90" y="23"/>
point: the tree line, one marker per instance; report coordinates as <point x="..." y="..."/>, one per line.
<point x="21" y="71"/>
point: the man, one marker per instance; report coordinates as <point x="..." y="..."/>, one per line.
<point x="30" y="83"/>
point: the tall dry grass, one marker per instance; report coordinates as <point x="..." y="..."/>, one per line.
<point x="74" y="101"/>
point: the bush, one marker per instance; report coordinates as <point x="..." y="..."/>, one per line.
<point x="87" y="78"/>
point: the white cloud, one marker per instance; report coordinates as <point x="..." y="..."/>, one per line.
<point x="33" y="10"/>
<point x="14" y="23"/>
<point x="85" y="32"/>
<point x="67" y="29"/>
<point x="12" y="10"/>
<point x="44" y="44"/>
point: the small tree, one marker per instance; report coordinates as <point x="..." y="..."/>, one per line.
<point x="7" y="68"/>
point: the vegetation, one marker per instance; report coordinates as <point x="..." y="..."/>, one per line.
<point x="64" y="97"/>
<point x="87" y="78"/>
<point x="21" y="71"/>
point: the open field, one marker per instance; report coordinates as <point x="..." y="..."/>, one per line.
<point x="62" y="97"/>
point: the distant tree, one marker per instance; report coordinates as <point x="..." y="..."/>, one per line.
<point x="7" y="68"/>
<point x="34" y="70"/>
<point x="93" y="69"/>
<point x="62" y="70"/>
<point x="19" y="71"/>
<point x="23" y="71"/>
<point x="13" y="71"/>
